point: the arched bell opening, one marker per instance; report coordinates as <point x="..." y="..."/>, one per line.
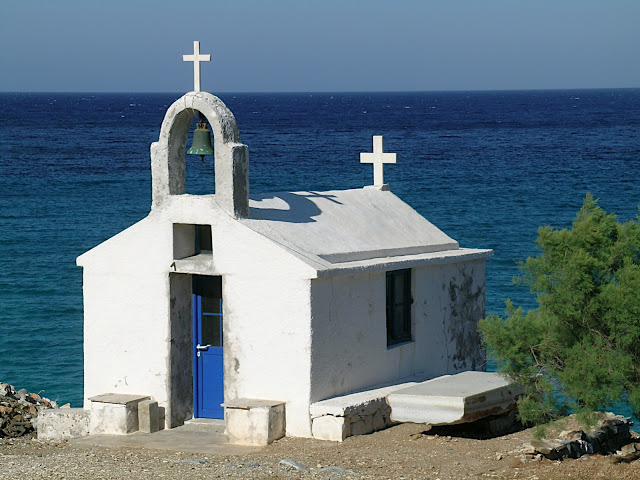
<point x="200" y="157"/>
<point x="230" y="179"/>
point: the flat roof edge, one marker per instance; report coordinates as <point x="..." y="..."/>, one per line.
<point x="349" y="257"/>
<point x="406" y="261"/>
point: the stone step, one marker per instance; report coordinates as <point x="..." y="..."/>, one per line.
<point x="252" y="421"/>
<point x="115" y="413"/>
<point x="451" y="399"/>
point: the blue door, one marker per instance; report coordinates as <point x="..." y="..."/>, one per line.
<point x="208" y="391"/>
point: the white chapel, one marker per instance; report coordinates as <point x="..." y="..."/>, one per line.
<point x="300" y="310"/>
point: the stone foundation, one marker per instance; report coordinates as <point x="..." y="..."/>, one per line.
<point x="356" y="414"/>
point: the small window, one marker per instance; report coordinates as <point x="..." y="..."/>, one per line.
<point x="190" y="240"/>
<point x="398" y="307"/>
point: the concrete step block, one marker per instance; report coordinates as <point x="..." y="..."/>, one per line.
<point x="329" y="427"/>
<point x="114" y="413"/>
<point x="60" y="424"/>
<point x="148" y="416"/>
<point x="254" y="421"/>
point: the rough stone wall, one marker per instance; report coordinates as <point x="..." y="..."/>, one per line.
<point x="467" y="301"/>
<point x="360" y="420"/>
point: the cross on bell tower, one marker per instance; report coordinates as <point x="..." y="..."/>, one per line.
<point x="378" y="158"/>
<point x="196" y="58"/>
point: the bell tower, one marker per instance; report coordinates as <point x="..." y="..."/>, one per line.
<point x="231" y="157"/>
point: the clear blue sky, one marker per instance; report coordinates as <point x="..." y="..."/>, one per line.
<point x="309" y="45"/>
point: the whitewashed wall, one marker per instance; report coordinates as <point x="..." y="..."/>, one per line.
<point x="138" y="315"/>
<point x="349" y="344"/>
<point x="126" y="314"/>
<point x="267" y="344"/>
<point x="267" y="323"/>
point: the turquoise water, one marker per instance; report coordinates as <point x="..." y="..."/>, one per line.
<point x="486" y="167"/>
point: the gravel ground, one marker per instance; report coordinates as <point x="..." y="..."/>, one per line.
<point x="402" y="452"/>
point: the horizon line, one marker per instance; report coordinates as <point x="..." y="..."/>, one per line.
<point x="311" y="92"/>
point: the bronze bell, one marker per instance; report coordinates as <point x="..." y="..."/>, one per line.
<point x="201" y="144"/>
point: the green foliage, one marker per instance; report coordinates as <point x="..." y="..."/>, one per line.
<point x="580" y="347"/>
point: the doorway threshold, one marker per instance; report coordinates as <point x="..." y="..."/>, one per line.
<point x="219" y="422"/>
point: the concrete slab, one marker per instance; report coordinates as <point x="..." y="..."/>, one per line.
<point x="359" y="403"/>
<point x="461" y="398"/>
<point x="118" y="398"/>
<point x="196" y="436"/>
<point x="248" y="403"/>
<point x="357" y="413"/>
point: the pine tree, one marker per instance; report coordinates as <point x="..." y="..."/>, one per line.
<point x="580" y="348"/>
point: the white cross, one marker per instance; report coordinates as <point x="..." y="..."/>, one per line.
<point x="378" y="158"/>
<point x="196" y="58"/>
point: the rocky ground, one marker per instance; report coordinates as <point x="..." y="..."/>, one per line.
<point x="19" y="410"/>
<point x="404" y="451"/>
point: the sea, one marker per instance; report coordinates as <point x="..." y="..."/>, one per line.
<point x="488" y="168"/>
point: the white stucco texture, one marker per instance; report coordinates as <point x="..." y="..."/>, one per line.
<point x="125" y="286"/>
<point x="349" y="343"/>
<point x="267" y="344"/>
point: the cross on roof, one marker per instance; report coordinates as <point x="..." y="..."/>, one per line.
<point x="196" y="58"/>
<point x="378" y="158"/>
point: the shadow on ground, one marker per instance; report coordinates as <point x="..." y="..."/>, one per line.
<point x="483" y="429"/>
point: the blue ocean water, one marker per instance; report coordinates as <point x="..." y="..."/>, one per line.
<point x="486" y="167"/>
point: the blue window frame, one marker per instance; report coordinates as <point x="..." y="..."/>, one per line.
<point x="398" y="306"/>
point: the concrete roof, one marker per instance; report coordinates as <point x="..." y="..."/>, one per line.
<point x="345" y="225"/>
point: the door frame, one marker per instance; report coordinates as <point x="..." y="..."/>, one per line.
<point x="197" y="314"/>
